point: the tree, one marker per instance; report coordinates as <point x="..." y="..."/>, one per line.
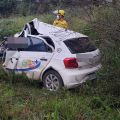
<point x="7" y="7"/>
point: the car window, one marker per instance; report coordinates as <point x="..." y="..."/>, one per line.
<point x="49" y="41"/>
<point x="80" y="45"/>
<point x="36" y="41"/>
<point x="19" y="44"/>
<point x="38" y="45"/>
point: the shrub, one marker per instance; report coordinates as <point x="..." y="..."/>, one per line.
<point x="106" y="23"/>
<point x="8" y="27"/>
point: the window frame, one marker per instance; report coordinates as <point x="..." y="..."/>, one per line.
<point x="32" y="44"/>
<point x="76" y="52"/>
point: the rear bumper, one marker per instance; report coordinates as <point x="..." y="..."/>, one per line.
<point x="74" y="77"/>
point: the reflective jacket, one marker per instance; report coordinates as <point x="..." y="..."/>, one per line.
<point x="60" y="23"/>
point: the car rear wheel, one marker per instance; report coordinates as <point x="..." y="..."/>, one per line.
<point x="52" y="80"/>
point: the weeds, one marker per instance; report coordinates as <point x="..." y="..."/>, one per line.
<point x="23" y="99"/>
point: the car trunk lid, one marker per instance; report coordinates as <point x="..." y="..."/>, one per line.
<point x="87" y="55"/>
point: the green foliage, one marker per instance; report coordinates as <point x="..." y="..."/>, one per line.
<point x="7" y="7"/>
<point x="105" y="22"/>
<point x="23" y="99"/>
<point x="48" y="18"/>
<point x="8" y="27"/>
<point x="96" y="103"/>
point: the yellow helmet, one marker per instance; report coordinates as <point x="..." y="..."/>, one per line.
<point x="61" y="12"/>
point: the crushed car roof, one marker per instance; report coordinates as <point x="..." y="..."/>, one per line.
<point x="55" y="32"/>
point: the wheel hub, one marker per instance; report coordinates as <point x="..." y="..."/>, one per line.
<point x="52" y="82"/>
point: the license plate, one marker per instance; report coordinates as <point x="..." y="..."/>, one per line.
<point x="92" y="76"/>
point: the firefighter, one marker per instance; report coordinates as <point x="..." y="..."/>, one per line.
<point x="60" y="21"/>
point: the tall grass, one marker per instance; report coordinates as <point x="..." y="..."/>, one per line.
<point x="22" y="99"/>
<point x="11" y="25"/>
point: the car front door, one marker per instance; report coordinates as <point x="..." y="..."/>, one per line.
<point x="33" y="60"/>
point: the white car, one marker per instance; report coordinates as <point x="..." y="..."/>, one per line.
<point x="56" y="56"/>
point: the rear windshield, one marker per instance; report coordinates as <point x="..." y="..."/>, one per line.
<point x="80" y="45"/>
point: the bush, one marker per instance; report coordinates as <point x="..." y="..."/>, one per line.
<point x="21" y="99"/>
<point x="105" y="22"/>
<point x="8" y="27"/>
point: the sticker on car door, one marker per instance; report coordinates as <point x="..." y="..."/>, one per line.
<point x="27" y="65"/>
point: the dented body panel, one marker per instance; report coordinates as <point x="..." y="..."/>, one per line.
<point x="47" y="50"/>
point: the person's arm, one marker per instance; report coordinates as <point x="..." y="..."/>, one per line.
<point x="66" y="25"/>
<point x="54" y="23"/>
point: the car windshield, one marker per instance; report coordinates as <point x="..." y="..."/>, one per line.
<point x="80" y="45"/>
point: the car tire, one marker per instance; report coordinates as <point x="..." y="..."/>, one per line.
<point x="52" y="81"/>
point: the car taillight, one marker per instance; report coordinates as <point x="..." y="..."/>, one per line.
<point x="70" y="63"/>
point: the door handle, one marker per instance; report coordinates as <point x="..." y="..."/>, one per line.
<point x="43" y="59"/>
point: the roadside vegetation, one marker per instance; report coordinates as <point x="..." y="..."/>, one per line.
<point x="21" y="99"/>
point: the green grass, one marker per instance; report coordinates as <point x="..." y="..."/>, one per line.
<point x="27" y="100"/>
<point x="10" y="26"/>
<point x="22" y="99"/>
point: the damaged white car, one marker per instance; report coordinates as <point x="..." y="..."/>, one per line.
<point x="56" y="56"/>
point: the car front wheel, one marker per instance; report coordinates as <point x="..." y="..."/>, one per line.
<point x="52" y="80"/>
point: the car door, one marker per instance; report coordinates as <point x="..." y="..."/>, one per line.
<point x="35" y="58"/>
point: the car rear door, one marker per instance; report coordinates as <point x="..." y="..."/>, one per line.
<point x="35" y="58"/>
